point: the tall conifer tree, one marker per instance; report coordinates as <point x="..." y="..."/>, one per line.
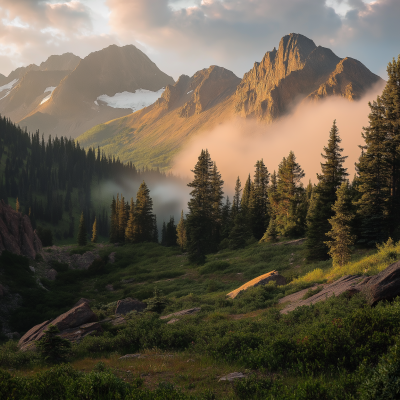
<point x="94" y="231"/>
<point x="181" y="233"/>
<point x="332" y="175"/>
<point x="379" y="165"/>
<point x="236" y="198"/>
<point x="342" y="238"/>
<point x="259" y="200"/>
<point x="82" y="235"/>
<point x="144" y="217"/>
<point x="289" y="193"/>
<point x="199" y="220"/>
<point x="130" y="226"/>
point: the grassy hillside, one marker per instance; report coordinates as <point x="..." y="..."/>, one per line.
<point x="332" y="350"/>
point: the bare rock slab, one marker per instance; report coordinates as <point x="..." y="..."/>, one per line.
<point x="127" y="305"/>
<point x="260" y="280"/>
<point x="232" y="376"/>
<point x="344" y="284"/>
<point x="130" y="356"/>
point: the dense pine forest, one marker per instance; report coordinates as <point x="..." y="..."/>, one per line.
<point x="52" y="181"/>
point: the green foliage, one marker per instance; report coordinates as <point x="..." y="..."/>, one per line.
<point x="157" y="303"/>
<point x="181" y="233"/>
<point x="45" y="236"/>
<point x="94" y="232"/>
<point x="52" y="347"/>
<point x="379" y="164"/>
<point x="384" y="381"/>
<point x="288" y="197"/>
<point x="342" y="239"/>
<point x="82" y="235"/>
<point x="271" y="233"/>
<point x="214" y="266"/>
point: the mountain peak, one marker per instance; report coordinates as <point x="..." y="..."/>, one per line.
<point x="63" y="62"/>
<point x="297" y="69"/>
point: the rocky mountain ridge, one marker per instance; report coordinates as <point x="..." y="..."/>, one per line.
<point x="59" y="97"/>
<point x="298" y="71"/>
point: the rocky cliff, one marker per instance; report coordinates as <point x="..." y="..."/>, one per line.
<point x="298" y="70"/>
<point x="16" y="233"/>
<point x="194" y="95"/>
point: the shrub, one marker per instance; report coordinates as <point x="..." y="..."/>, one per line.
<point x="213" y="266"/>
<point x="52" y="347"/>
<point x="384" y="382"/>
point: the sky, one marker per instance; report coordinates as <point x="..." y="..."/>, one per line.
<point x="184" y="36"/>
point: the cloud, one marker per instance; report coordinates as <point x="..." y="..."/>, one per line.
<point x="32" y="30"/>
<point x="236" y="145"/>
<point x="220" y="31"/>
<point x="235" y="33"/>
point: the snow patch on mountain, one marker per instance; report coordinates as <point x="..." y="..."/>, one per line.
<point x="49" y="89"/>
<point x="136" y="101"/>
<point x="8" y="87"/>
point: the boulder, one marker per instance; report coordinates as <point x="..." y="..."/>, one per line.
<point x="126" y="305"/>
<point x="260" y="280"/>
<point x="182" y="313"/>
<point x="81" y="301"/>
<point x="383" y="286"/>
<point x="16" y="233"/>
<point x="68" y="322"/>
<point x="51" y="274"/>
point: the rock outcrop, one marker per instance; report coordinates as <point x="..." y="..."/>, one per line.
<point x="127" y="305"/>
<point x="298" y="70"/>
<point x="383" y="286"/>
<point x="272" y="276"/>
<point x="16" y="233"/>
<point x="74" y="325"/>
<point x="182" y="313"/>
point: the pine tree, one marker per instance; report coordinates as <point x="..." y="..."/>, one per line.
<point x="379" y="165"/>
<point x="114" y="222"/>
<point x="271" y="234"/>
<point x="245" y="202"/>
<point x="144" y="217"/>
<point x="82" y="235"/>
<point x="236" y="198"/>
<point x="289" y="194"/>
<point x="94" y="231"/>
<point x="164" y="234"/>
<point x="122" y="219"/>
<point x="130" y="226"/>
<point x="199" y="222"/>
<point x="52" y="347"/>
<point x="332" y="176"/>
<point x="259" y="200"/>
<point x="240" y="232"/>
<point x="217" y="197"/>
<point x="340" y="233"/>
<point x="155" y="229"/>
<point x="181" y="233"/>
<point x="226" y="219"/>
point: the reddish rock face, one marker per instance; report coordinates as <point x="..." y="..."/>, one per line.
<point x="16" y="233"/>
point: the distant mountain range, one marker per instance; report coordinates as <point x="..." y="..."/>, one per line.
<point x="67" y="95"/>
<point x="92" y="99"/>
